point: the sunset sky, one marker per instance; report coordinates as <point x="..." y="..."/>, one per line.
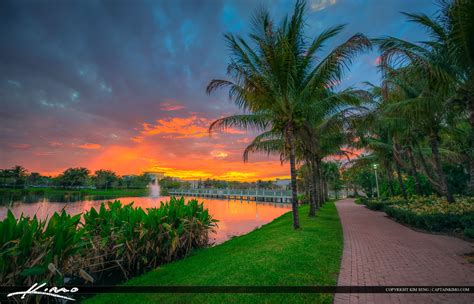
<point x="120" y="85"/>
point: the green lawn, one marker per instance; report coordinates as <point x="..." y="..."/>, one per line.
<point x="272" y="255"/>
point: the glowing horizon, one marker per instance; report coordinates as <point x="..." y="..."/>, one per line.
<point x="124" y="88"/>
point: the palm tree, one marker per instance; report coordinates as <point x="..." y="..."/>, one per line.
<point x="275" y="79"/>
<point x="446" y="61"/>
<point x="325" y="136"/>
<point x="423" y="100"/>
<point x="17" y="173"/>
<point x="456" y="26"/>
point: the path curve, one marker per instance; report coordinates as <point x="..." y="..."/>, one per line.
<point x="380" y="252"/>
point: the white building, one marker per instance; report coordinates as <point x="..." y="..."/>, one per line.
<point x="283" y="183"/>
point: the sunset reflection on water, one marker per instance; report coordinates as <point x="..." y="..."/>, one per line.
<point x="235" y="217"/>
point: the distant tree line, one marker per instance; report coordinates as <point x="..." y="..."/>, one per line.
<point x="72" y="178"/>
<point x="168" y="183"/>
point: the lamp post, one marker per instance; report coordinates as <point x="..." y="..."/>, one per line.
<point x="375" y="166"/>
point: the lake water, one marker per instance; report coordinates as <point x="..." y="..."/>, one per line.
<point x="235" y="217"/>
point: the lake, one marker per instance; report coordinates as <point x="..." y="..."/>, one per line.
<point x="235" y="217"/>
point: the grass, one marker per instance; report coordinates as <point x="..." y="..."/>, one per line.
<point x="273" y="255"/>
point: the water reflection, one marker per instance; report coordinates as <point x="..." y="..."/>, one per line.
<point x="10" y="198"/>
<point x="235" y="217"/>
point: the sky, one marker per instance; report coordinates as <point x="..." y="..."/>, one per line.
<point x="120" y="85"/>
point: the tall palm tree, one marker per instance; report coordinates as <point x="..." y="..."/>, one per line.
<point x="18" y="173"/>
<point x="315" y="141"/>
<point x="458" y="27"/>
<point x="446" y="60"/>
<point x="275" y="78"/>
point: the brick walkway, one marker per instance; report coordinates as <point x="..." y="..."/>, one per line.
<point x="379" y="251"/>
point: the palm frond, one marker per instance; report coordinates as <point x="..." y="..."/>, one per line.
<point x="242" y="121"/>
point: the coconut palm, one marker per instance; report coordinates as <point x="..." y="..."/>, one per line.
<point x="275" y="77"/>
<point x="457" y="24"/>
<point x="18" y="173"/>
<point x="446" y="61"/>
<point x="316" y="140"/>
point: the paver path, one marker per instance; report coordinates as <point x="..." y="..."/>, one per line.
<point x="380" y="252"/>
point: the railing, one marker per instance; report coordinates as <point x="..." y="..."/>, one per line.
<point x="274" y="195"/>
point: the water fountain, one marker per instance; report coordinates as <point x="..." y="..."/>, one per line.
<point x="154" y="188"/>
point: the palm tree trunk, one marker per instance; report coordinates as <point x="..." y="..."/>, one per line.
<point x="428" y="172"/>
<point x="471" y="147"/>
<point x="388" y="168"/>
<point x="414" y="172"/>
<point x="471" y="175"/>
<point x="439" y="169"/>
<point x="326" y="190"/>
<point x="320" y="183"/>
<point x="423" y="161"/>
<point x="294" y="193"/>
<point x="400" y="180"/>
<point x="313" y="204"/>
<point x="317" y="181"/>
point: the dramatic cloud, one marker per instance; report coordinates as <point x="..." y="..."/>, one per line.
<point x="121" y="85"/>
<point x="171" y="106"/>
<point x="90" y="146"/>
<point x="219" y="154"/>
<point x="176" y="127"/>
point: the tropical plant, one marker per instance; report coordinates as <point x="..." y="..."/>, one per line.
<point x="18" y="174"/>
<point x="116" y="242"/>
<point x="441" y="72"/>
<point x="279" y="79"/>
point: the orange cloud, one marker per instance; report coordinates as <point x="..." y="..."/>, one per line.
<point x="183" y="150"/>
<point x="171" y="106"/>
<point x="188" y="127"/>
<point x="123" y="160"/>
<point x="219" y="154"/>
<point x="237" y="176"/>
<point x="183" y="174"/>
<point x="233" y="131"/>
<point x="89" y="146"/>
<point x="244" y="140"/>
<point x="179" y="127"/>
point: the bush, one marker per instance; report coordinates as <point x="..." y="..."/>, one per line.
<point x="380" y="204"/>
<point x="434" y="214"/>
<point x="117" y="239"/>
<point x="376" y="205"/>
<point x="469" y="232"/>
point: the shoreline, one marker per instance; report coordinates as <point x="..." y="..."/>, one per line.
<point x="11" y="193"/>
<point x="261" y="257"/>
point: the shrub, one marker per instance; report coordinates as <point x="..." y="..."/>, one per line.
<point x="376" y="205"/>
<point x="469" y="232"/>
<point x="434" y="214"/>
<point x="380" y="204"/>
<point x="117" y="238"/>
<point x="32" y="250"/>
